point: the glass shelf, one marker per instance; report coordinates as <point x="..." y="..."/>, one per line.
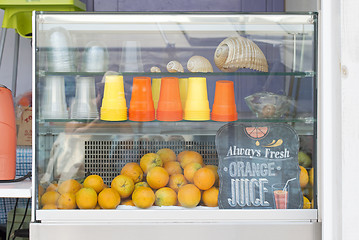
<point x="304" y="125"/>
<point x="243" y="72"/>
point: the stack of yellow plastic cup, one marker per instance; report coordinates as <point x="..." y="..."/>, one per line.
<point x="114" y="103"/>
<point x="197" y="105"/>
<point x="155" y="87"/>
<point x="183" y="85"/>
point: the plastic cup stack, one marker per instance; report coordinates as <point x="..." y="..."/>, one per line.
<point x="183" y="86"/>
<point x="60" y="57"/>
<point x="197" y="105"/>
<point x="169" y="104"/>
<point x="114" y="103"/>
<point x="156" y="87"/>
<point x="224" y="105"/>
<point x="54" y="99"/>
<point x="95" y="58"/>
<point x="84" y="105"/>
<point x="141" y="104"/>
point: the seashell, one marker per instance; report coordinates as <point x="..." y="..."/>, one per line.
<point x="199" y="64"/>
<point x="155" y="69"/>
<point x="239" y="52"/>
<point x="174" y="67"/>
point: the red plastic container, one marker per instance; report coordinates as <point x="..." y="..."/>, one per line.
<point x="7" y="135"/>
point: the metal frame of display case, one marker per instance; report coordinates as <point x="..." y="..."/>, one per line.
<point x="236" y="222"/>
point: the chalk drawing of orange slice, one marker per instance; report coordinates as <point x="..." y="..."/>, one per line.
<point x="257" y="133"/>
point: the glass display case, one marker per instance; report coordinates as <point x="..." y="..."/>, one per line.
<point x="133" y="110"/>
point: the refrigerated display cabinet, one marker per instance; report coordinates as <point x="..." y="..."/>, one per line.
<point x="86" y="70"/>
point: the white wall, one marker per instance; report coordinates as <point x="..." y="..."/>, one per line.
<point x="350" y="117"/>
<point x="24" y="64"/>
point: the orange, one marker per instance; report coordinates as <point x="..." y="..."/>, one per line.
<point x="123" y="185"/>
<point x="204" y="178"/>
<point x="141" y="184"/>
<point x="52" y="187"/>
<point x="308" y="192"/>
<point x="189" y="195"/>
<point x="41" y="190"/>
<point x="165" y="197"/>
<point x="108" y="198"/>
<point x="190" y="170"/>
<point x="306" y="203"/>
<point x="143" y="197"/>
<point x="187" y="157"/>
<point x="149" y="161"/>
<point x="215" y="172"/>
<point x="133" y="171"/>
<point x="303" y="177"/>
<point x="86" y="198"/>
<point x="311" y="176"/>
<point x="173" y="167"/>
<point x="69" y="186"/>
<point x="95" y="182"/>
<point x="49" y="197"/>
<point x="210" y="197"/>
<point x="50" y="206"/>
<point x="166" y="155"/>
<point x="157" y="177"/>
<point x="312" y="203"/>
<point x="127" y="202"/>
<point x="176" y="181"/>
<point x="67" y="201"/>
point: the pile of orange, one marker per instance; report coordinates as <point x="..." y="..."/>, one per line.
<point x="306" y="180"/>
<point x="161" y="179"/>
<point x="170" y="180"/>
<point x="71" y="194"/>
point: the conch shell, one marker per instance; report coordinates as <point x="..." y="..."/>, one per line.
<point x="199" y="64"/>
<point x="239" y="52"/>
<point x="174" y="67"/>
<point x="155" y="69"/>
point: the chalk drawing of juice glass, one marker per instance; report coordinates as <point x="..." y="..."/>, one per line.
<point x="280" y="192"/>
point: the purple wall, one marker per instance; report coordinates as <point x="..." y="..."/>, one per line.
<point x="188" y="5"/>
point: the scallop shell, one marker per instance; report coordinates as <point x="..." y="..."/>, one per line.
<point x="155" y="69"/>
<point x="174" y="67"/>
<point x="199" y="64"/>
<point x="239" y="52"/>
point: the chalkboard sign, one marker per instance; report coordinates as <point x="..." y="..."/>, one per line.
<point x="258" y="166"/>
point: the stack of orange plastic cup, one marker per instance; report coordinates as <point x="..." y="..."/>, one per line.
<point x="224" y="105"/>
<point x="197" y="105"/>
<point x="114" y="103"/>
<point x="141" y="104"/>
<point x="169" y="104"/>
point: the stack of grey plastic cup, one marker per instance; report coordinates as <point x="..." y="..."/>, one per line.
<point x="54" y="100"/>
<point x="84" y="105"/>
<point x="61" y="54"/>
<point x="95" y="58"/>
<point x="131" y="57"/>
